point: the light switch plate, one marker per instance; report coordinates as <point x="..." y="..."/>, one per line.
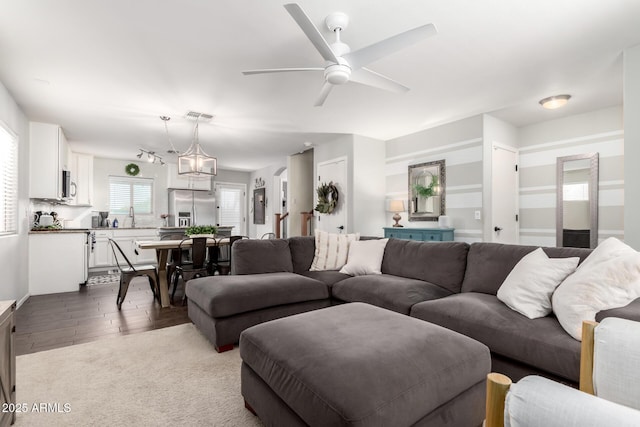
<point x="477" y="215"/>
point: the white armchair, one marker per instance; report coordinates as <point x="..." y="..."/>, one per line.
<point x="609" y="385"/>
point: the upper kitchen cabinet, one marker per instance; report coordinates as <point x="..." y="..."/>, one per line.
<point x="48" y="157"/>
<point x="174" y="180"/>
<point x="81" y="166"/>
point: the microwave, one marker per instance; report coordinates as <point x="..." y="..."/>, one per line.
<point x="66" y="184"/>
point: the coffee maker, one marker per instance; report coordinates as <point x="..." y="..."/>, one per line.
<point x="104" y="221"/>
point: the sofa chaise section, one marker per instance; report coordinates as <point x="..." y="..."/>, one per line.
<point x="262" y="288"/>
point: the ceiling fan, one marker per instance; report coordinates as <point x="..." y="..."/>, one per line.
<point x="342" y="65"/>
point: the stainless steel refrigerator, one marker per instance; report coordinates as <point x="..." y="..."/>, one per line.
<point x="191" y="207"/>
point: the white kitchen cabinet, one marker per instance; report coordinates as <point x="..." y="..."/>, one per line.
<point x="102" y="255"/>
<point x="57" y="262"/>
<point x="81" y="167"/>
<point x="174" y="180"/>
<point x="48" y="157"/>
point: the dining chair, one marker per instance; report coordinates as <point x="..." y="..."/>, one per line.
<point x="174" y="254"/>
<point x="268" y="236"/>
<point x="224" y="260"/>
<point x="128" y="272"/>
<point x="197" y="267"/>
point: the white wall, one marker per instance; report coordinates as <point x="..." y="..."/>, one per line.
<point x="632" y="145"/>
<point x="542" y="143"/>
<point x="367" y="192"/>
<point x="103" y="168"/>
<point x="14" y="249"/>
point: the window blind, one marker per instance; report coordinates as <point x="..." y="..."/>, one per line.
<point x="8" y="183"/>
<point x="125" y="192"/>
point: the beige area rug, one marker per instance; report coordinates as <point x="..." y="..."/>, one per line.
<point x="165" y="377"/>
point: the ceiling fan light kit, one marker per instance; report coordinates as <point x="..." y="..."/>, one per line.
<point x="341" y="65"/>
<point x="556" y="101"/>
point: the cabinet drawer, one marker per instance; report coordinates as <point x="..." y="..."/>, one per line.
<point x="405" y="234"/>
<point x="436" y="237"/>
<point x="420" y="234"/>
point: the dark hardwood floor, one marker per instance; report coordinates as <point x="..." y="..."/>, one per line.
<point x="44" y="322"/>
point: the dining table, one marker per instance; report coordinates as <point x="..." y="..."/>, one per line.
<point x="162" y="248"/>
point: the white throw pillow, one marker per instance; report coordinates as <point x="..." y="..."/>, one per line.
<point x="365" y="257"/>
<point x="331" y="250"/>
<point x="529" y="286"/>
<point x="608" y="278"/>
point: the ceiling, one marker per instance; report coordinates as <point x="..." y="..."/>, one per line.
<point x="106" y="70"/>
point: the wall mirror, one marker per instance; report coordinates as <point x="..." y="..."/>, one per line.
<point x="577" y="201"/>
<point x="426" y="191"/>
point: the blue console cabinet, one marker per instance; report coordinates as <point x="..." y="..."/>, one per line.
<point x="421" y="234"/>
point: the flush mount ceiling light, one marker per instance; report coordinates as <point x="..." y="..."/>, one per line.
<point x="152" y="157"/>
<point x="194" y="162"/>
<point x="553" y="102"/>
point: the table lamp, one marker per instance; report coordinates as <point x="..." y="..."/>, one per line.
<point x="396" y="206"/>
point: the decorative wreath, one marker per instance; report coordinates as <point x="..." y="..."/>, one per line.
<point x="327" y="198"/>
<point x="428" y="191"/>
<point x="132" y="169"/>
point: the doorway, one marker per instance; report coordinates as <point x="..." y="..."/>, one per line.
<point x="504" y="194"/>
<point x="333" y="171"/>
<point x="230" y="206"/>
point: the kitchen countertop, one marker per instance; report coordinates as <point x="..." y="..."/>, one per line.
<point x="59" y="230"/>
<point x="124" y="228"/>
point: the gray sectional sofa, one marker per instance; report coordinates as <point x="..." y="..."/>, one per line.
<point x="451" y="284"/>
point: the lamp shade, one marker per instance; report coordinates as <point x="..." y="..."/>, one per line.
<point x="396" y="206"/>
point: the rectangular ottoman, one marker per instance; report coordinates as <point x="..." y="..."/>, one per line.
<point x="360" y="365"/>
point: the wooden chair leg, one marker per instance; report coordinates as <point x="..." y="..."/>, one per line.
<point x="497" y="388"/>
<point x="586" y="356"/>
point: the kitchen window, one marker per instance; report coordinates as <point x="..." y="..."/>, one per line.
<point x="125" y="192"/>
<point x="8" y="182"/>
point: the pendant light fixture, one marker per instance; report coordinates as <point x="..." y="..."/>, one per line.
<point x="194" y="162"/>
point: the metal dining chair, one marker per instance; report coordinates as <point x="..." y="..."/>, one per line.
<point x="174" y="254"/>
<point x="197" y="267"/>
<point x="128" y="272"/>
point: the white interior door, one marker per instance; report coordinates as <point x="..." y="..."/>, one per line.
<point x="230" y="204"/>
<point x="333" y="171"/>
<point x="504" y="194"/>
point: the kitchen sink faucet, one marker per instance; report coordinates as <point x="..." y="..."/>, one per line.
<point x="132" y="214"/>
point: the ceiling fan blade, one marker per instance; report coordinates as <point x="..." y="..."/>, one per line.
<point x="311" y="31"/>
<point x="370" y="78"/>
<point x="366" y="55"/>
<point x="279" y="70"/>
<point x="324" y="92"/>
